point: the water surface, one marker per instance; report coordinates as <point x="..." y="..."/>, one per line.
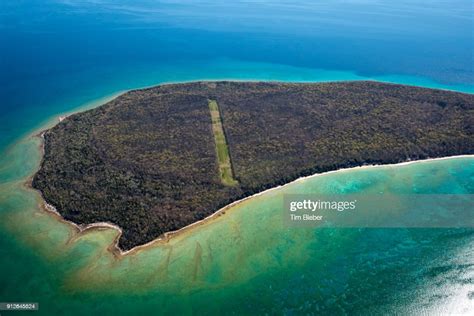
<point x="57" y="56"/>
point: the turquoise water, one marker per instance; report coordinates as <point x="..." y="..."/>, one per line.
<point x="248" y="260"/>
<point x="58" y="56"/>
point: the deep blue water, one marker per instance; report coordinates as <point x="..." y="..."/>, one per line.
<point x="56" y="55"/>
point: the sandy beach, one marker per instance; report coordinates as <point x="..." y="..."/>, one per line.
<point x="168" y="235"/>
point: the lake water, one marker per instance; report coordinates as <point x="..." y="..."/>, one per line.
<point x="56" y="56"/>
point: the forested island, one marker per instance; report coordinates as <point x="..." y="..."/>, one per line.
<point x="158" y="159"/>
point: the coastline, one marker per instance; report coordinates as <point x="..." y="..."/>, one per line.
<point x="222" y="211"/>
<point x="168" y="235"/>
<point x="226" y="208"/>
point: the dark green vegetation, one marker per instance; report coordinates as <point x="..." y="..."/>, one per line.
<point x="147" y="160"/>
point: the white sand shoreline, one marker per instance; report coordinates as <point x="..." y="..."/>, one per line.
<point x="166" y="236"/>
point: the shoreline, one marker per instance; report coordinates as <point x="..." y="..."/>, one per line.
<point x="53" y="120"/>
<point x="294" y="81"/>
<point x="50" y="123"/>
<point x="220" y="212"/>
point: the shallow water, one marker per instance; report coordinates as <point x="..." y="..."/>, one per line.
<point x="58" y="56"/>
<point x="247" y="260"/>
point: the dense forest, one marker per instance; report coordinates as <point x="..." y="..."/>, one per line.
<point x="147" y="160"/>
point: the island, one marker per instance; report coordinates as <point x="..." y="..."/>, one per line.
<point x="156" y="160"/>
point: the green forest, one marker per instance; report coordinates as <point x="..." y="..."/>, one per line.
<point x="158" y="159"/>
